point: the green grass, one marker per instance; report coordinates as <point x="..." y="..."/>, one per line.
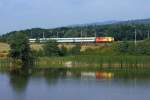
<point x="95" y="57"/>
<point x="5" y="63"/>
<point x="95" y="61"/>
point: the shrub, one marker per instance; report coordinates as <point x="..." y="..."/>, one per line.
<point x="75" y="50"/>
<point x="20" y="49"/>
<point x="63" y="51"/>
<point x="51" y="48"/>
<point x="121" y="47"/>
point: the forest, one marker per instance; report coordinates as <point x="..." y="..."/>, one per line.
<point x="120" y="32"/>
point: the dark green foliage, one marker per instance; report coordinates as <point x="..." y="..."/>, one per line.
<point x="122" y="47"/>
<point x="75" y="50"/>
<point x="131" y="48"/>
<point x="142" y="48"/>
<point x="20" y="48"/>
<point x="2" y="39"/>
<point x="118" y="31"/>
<point x="51" y="48"/>
<point x="63" y="51"/>
<point x="99" y="51"/>
<point x="38" y="53"/>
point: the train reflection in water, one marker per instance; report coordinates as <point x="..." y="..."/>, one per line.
<point x="95" y="75"/>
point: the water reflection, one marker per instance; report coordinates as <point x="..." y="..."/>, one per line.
<point x="19" y="80"/>
<point x="106" y="75"/>
<point x="52" y="76"/>
<point x="46" y="84"/>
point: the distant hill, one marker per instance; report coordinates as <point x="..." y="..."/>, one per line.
<point x="138" y="21"/>
<point x="95" y="23"/>
<point x="106" y="22"/>
<point x="120" y="30"/>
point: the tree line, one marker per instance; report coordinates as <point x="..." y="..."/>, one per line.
<point x="20" y="50"/>
<point x="120" y="32"/>
<point x="140" y="48"/>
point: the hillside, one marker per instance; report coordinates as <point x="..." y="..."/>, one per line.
<point x="123" y="30"/>
<point x="138" y="21"/>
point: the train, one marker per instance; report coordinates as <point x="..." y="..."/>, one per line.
<point x="76" y="40"/>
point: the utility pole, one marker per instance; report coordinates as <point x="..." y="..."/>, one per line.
<point x="31" y="34"/>
<point x="95" y="34"/>
<point x="148" y="34"/>
<point x="57" y="34"/>
<point x="43" y="35"/>
<point x="51" y="34"/>
<point x="63" y="32"/>
<point x="81" y="33"/>
<point x="85" y="34"/>
<point x="135" y="37"/>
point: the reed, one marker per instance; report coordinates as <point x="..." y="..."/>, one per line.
<point x="97" y="61"/>
<point x="88" y="61"/>
<point x="5" y="63"/>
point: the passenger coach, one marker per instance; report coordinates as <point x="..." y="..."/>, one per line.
<point x="77" y="40"/>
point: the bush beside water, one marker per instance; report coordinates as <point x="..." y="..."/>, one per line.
<point x="118" y="55"/>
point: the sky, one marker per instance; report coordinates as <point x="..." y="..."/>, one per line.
<point x="23" y="14"/>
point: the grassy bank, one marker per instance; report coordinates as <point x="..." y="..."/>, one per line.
<point x="5" y="63"/>
<point x="91" y="56"/>
<point x="88" y="62"/>
<point x="95" y="61"/>
<point x="4" y="48"/>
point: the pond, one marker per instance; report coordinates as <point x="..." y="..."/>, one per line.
<point x="74" y="85"/>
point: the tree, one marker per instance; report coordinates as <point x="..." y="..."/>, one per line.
<point x="63" y="51"/>
<point x="51" y="48"/>
<point x="75" y="50"/>
<point x="143" y="47"/>
<point x="122" y="47"/>
<point x="20" y="49"/>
